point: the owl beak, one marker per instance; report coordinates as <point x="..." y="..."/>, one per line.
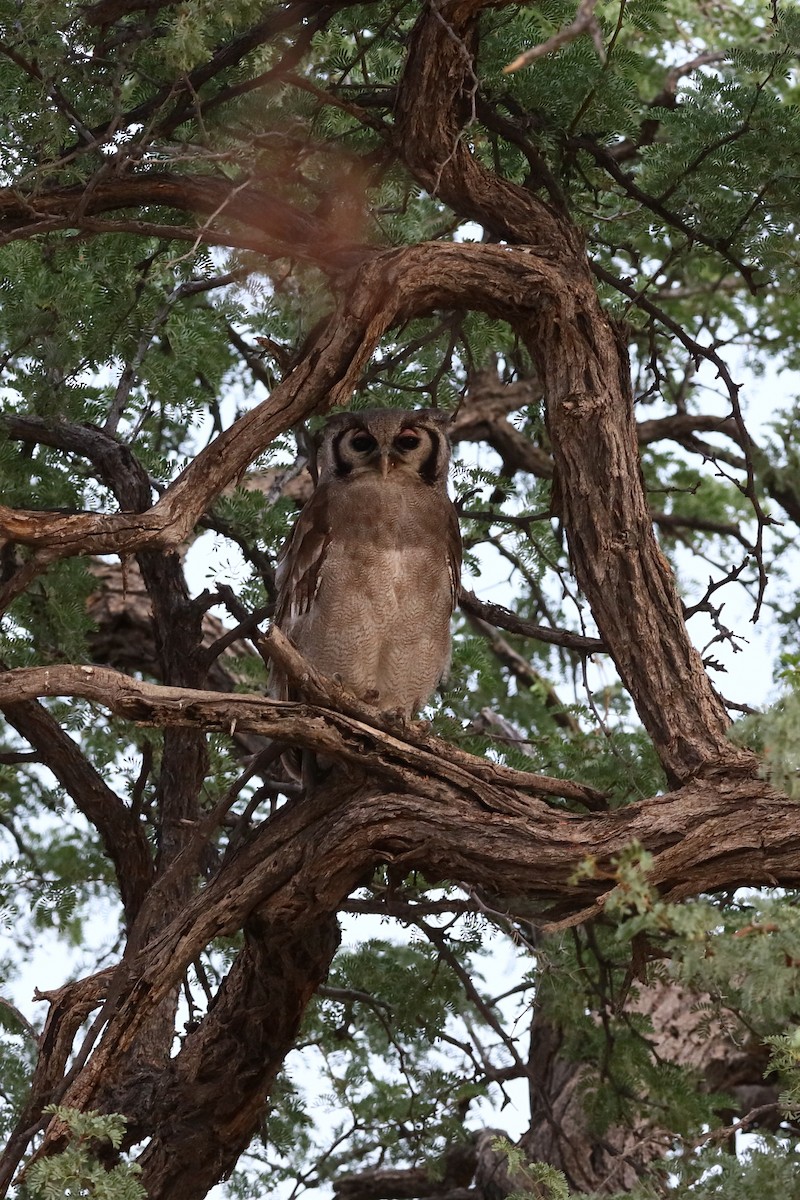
<point x="386" y="464"/>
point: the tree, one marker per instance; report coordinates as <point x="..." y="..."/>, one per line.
<point x="584" y="219"/>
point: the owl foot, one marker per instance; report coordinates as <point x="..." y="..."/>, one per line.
<point x="371" y="697"/>
<point x="395" y="716"/>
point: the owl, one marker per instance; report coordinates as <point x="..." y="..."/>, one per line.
<point x="370" y="574"/>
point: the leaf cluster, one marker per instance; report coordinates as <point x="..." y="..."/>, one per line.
<point x="77" y="1171"/>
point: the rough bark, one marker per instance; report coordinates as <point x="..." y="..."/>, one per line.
<point x="711" y="833"/>
<point x="583" y="367"/>
<point x="390" y="287"/>
<point x="298" y="867"/>
<point x="69" y="1006"/>
<point x="605" y="1163"/>
<point x="204" y="1106"/>
<point x="628" y="582"/>
<point x="449" y="1179"/>
<point x="413" y="802"/>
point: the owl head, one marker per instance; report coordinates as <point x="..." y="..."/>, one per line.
<point x="391" y="443"/>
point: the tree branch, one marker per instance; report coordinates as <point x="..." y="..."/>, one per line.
<point x="389" y="287"/>
<point x="428" y="768"/>
<point x="584" y="21"/>
<point x="445" y="813"/>
<point x="496" y="614"/>
<point x="583" y="366"/>
<point x="123" y="837"/>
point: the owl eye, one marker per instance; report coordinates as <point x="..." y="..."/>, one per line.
<point x="363" y="443"/>
<point x="408" y="440"/>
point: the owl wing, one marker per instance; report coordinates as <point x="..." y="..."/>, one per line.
<point x="453" y="536"/>
<point x="297" y="576"/>
<point x="298" y="573"/>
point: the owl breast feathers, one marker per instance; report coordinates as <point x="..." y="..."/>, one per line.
<point x="370" y="574"/>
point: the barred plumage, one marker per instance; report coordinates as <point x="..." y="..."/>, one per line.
<point x="370" y="575"/>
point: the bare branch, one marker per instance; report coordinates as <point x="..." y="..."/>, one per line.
<point x="525" y="673"/>
<point x="496" y="614"/>
<point x="584" y="21"/>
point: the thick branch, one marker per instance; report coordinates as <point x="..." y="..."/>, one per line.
<point x="70" y="1005"/>
<point x="446" y="813"/>
<point x="252" y="203"/>
<point x="347" y="736"/>
<point x="449" y="1179"/>
<point x="231" y="1059"/>
<point x="392" y="286"/>
<point x="583" y="367"/>
<point x="723" y="1059"/>
<point x="709" y="846"/>
<point x="543" y="285"/>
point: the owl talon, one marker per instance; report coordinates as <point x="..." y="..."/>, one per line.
<point x="395" y="716"/>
